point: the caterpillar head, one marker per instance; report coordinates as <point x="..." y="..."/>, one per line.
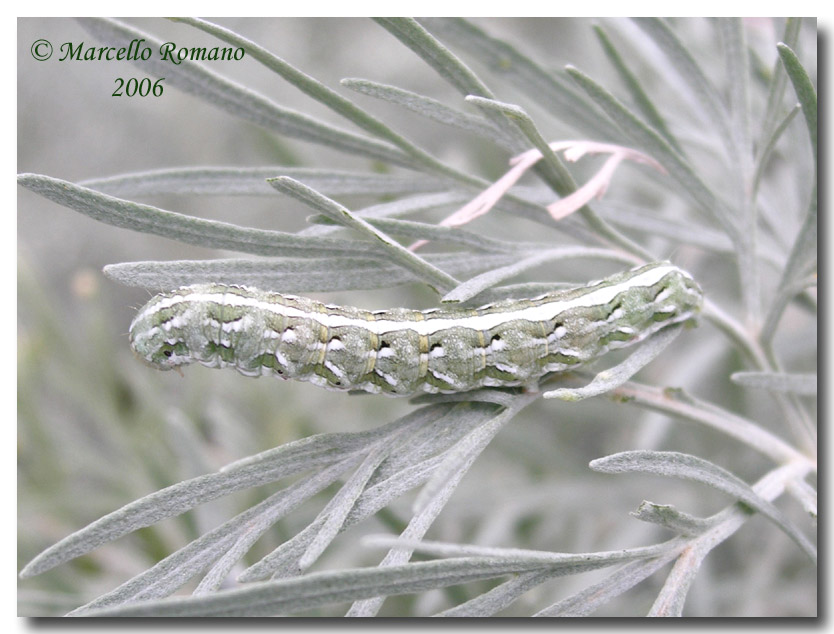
<point x="158" y="335"/>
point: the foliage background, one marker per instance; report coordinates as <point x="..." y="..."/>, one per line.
<point x="97" y="429"/>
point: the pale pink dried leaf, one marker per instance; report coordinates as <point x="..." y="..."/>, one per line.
<point x="572" y="151"/>
<point x="594" y="188"/>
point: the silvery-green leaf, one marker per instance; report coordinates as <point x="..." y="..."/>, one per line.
<point x="298" y="594"/>
<point x="434" y="496"/>
<point x="778" y="79"/>
<point x="251" y="181"/>
<point x="632" y="83"/>
<point x="686" y="467"/>
<point x="283" y="461"/>
<point x="649" y="222"/>
<point x="449" y="66"/>
<point x="805" y="91"/>
<point x="583" y="603"/>
<point x="401" y="472"/>
<point x="284" y="561"/>
<point x="668" y="516"/>
<point x="551" y="167"/>
<point x="395" y="209"/>
<point x="672" y="597"/>
<point x="764" y="155"/>
<point x="611" y="378"/>
<point x="441" y="234"/>
<point x="329" y="98"/>
<point x="294" y="275"/>
<point x="222" y="547"/>
<point x="258" y="525"/>
<point x="425" y="106"/>
<point x="476" y="285"/>
<point x="800" y="270"/>
<point x="586" y="601"/>
<point x="690" y="73"/>
<point x="806" y="495"/>
<point x="341" y="214"/>
<point x="735" y="48"/>
<point x="242" y="102"/>
<point x="559" y="564"/>
<point x="342" y="504"/>
<point x="805" y="384"/>
<point x="547" y="88"/>
<point x="500" y="597"/>
<point x="188" y="229"/>
<point x="461" y="456"/>
<point x="685" y="407"/>
<point x="650" y="142"/>
<point x="554" y="559"/>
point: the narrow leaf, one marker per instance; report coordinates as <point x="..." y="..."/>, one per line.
<point x="765" y="154"/>
<point x="188" y="229"/>
<point x="778" y="79"/>
<point x="500" y="597"/>
<point x="549" y="90"/>
<point x="650" y="142"/>
<point x="442" y="234"/>
<point x="436" y="493"/>
<point x="632" y="83"/>
<point x="461" y="456"/>
<point x="555" y="174"/>
<point x="670" y="601"/>
<point x="240" y="101"/>
<point x="402" y="472"/>
<point x="225" y="545"/>
<point x="561" y="564"/>
<point x="690" y="73"/>
<point x="799" y="272"/>
<point x="269" y="466"/>
<point x="476" y="285"/>
<point x="803" y="258"/>
<point x="251" y="181"/>
<point x="303" y="593"/>
<point x="607" y="380"/>
<point x="342" y="504"/>
<point x="394" y="209"/>
<point x="738" y="71"/>
<point x="649" y="223"/>
<point x="448" y="66"/>
<point x="740" y="145"/>
<point x="426" y="107"/>
<point x="805" y="384"/>
<point x="554" y="559"/>
<point x="686" y="467"/>
<point x="294" y="275"/>
<point x="262" y="522"/>
<point x="805" y="91"/>
<point x="683" y="406"/>
<point x="589" y="599"/>
<point x="340" y="214"/>
<point x="669" y="517"/>
<point x="324" y="95"/>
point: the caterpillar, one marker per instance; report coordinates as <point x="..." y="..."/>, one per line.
<point x="402" y="352"/>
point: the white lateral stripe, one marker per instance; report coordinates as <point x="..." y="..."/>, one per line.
<point x="430" y="325"/>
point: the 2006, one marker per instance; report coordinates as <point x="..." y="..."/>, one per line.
<point x="142" y="87"/>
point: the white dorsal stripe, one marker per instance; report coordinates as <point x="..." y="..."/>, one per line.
<point x="430" y="325"/>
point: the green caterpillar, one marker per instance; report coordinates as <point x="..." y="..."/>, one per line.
<point x="403" y="352"/>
